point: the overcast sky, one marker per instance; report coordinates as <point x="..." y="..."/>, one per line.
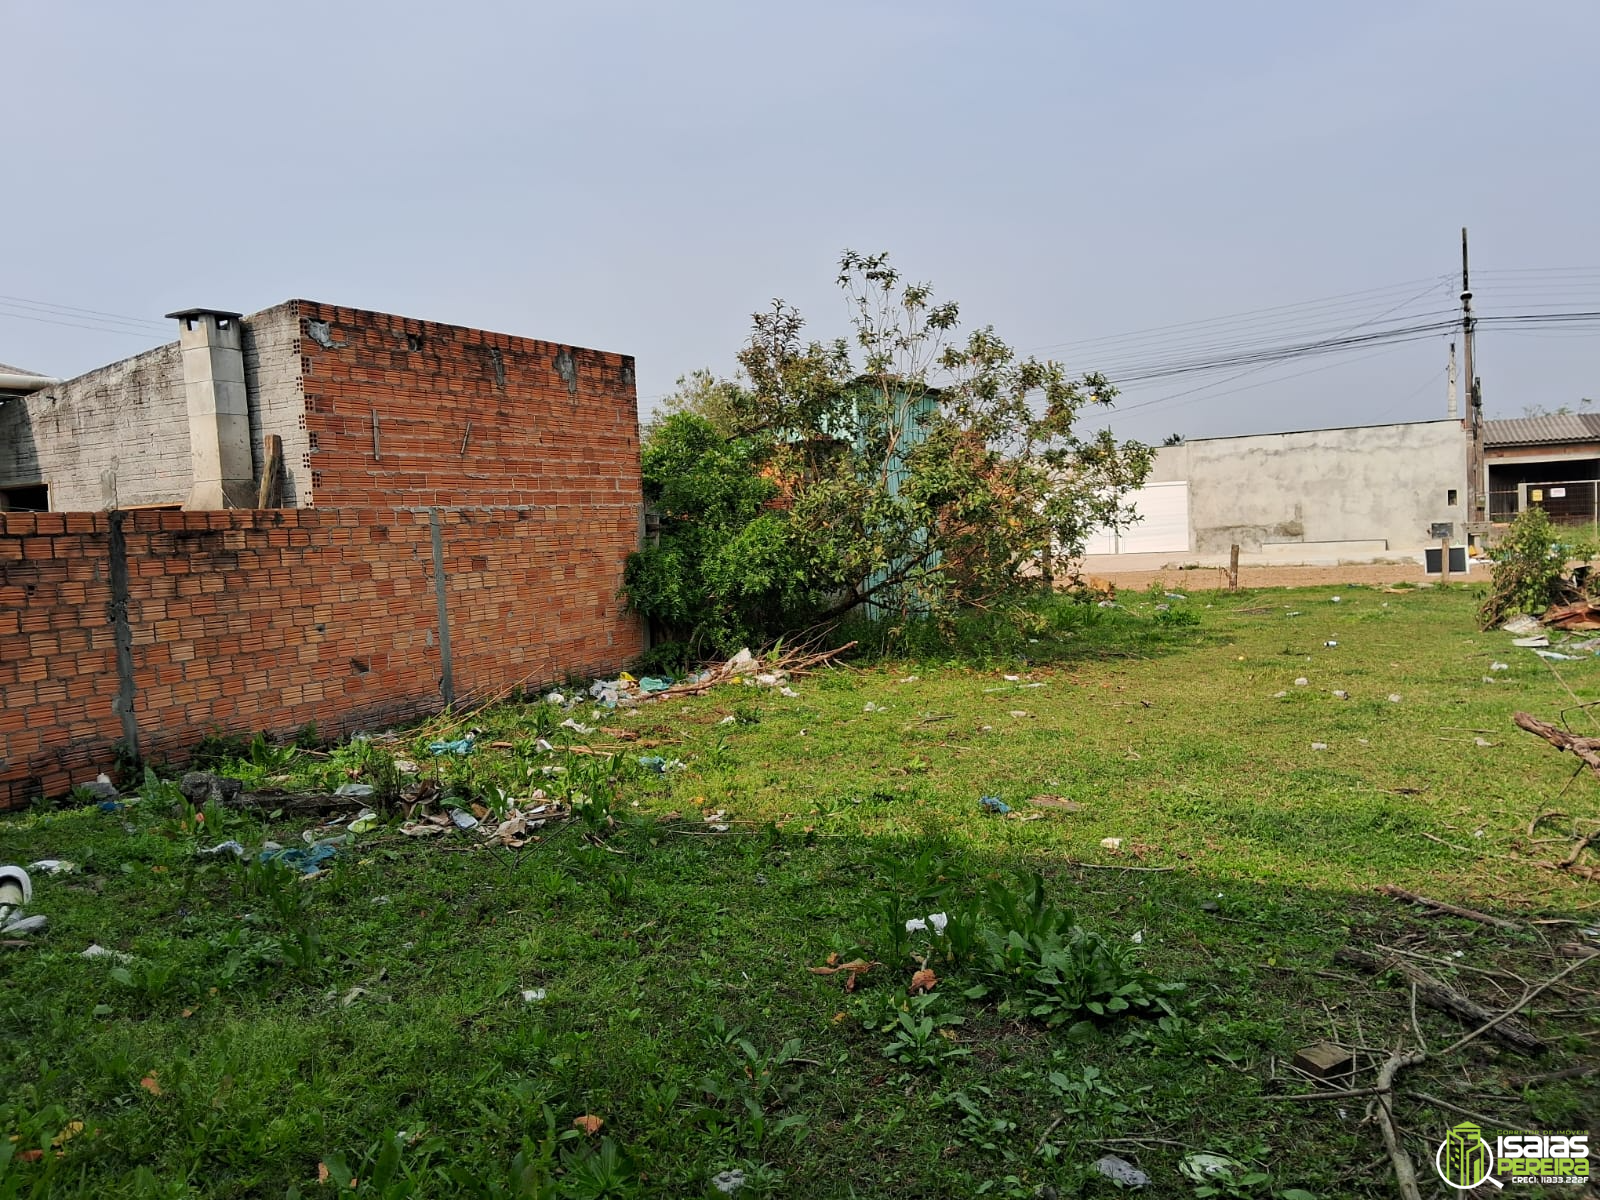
<point x="639" y="177"/>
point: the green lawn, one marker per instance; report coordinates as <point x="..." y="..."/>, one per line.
<point x="373" y="1019"/>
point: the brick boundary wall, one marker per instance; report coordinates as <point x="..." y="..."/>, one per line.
<point x="154" y="628"/>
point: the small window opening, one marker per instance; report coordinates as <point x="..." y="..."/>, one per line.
<point x="1450" y="496"/>
<point x="413" y="341"/>
<point x="32" y="497"/>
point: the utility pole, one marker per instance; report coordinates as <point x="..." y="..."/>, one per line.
<point x="1477" y="507"/>
<point x="1450" y="394"/>
<point x="1466" y="313"/>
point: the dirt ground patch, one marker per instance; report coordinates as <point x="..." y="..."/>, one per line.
<point x="1197" y="579"/>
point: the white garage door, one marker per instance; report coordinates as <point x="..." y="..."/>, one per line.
<point x="1163" y="527"/>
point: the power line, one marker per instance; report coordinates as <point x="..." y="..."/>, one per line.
<point x="1254" y="312"/>
<point x="78" y="325"/>
<point x="1324" y="332"/>
<point x="71" y="310"/>
<point x="1226" y="358"/>
<point x="1159" y="400"/>
<point x="1282" y="321"/>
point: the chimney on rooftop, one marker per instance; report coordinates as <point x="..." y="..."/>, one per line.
<point x="219" y="409"/>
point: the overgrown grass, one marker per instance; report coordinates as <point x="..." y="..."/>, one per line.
<point x="373" y="1020"/>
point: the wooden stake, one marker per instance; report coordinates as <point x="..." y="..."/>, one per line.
<point x="1444" y="560"/>
<point x="1233" y="568"/>
<point x="267" y="493"/>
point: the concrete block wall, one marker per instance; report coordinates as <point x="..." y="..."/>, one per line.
<point x="463" y="416"/>
<point x="116" y="437"/>
<point x="243" y="621"/>
<point x="277" y="398"/>
<point x="1378" y="483"/>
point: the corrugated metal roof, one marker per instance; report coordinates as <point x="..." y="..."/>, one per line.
<point x="1543" y="431"/>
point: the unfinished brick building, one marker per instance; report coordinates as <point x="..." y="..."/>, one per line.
<point x="473" y="498"/>
<point x="372" y="409"/>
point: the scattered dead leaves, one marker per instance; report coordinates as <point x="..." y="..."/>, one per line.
<point x="151" y="1084"/>
<point x="853" y="969"/>
<point x="589" y="1123"/>
<point x="923" y="981"/>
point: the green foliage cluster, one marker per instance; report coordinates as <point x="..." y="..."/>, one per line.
<point x="1530" y="568"/>
<point x="725" y="570"/>
<point x="904" y="471"/>
<point x="1054" y="970"/>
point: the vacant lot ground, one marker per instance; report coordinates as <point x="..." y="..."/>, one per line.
<point x="628" y="1007"/>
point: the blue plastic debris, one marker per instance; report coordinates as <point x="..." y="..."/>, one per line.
<point x="653" y="762"/>
<point x="308" y="861"/>
<point x="458" y="746"/>
<point x="994" y="804"/>
<point x="650" y="684"/>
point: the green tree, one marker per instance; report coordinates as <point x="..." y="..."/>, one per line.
<point x="1565" y="410"/>
<point x="906" y="468"/>
<point x="703" y="394"/>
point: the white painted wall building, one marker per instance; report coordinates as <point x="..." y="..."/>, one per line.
<point x="1357" y="494"/>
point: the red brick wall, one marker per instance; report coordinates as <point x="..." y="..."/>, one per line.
<point x="464" y="417"/>
<point x="243" y="621"/>
<point x="58" y="674"/>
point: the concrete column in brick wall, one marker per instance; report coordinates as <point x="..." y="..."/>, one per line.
<point x="219" y="409"/>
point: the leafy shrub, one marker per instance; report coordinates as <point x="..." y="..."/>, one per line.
<point x="918" y="1040"/>
<point x="1177" y="617"/>
<point x="724" y="572"/>
<point x="217" y="748"/>
<point x="1046" y="964"/>
<point x="1530" y="567"/>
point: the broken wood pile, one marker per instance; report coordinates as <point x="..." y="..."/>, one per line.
<point x="1579" y="615"/>
<point x="770" y="670"/>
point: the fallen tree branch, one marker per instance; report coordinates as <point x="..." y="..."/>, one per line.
<point x="1583" y="844"/>
<point x="300" y="802"/>
<point x="1454" y="910"/>
<point x="1405" y="1174"/>
<point x="1586" y="748"/>
<point x="1441" y="996"/>
<point x="1048" y="1130"/>
<point x="1555" y="1076"/>
<point x="1486" y="1122"/>
<point x="1071" y="862"/>
<point x="1343" y="1094"/>
<point x="1545" y="816"/>
<point x="1497" y="1025"/>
